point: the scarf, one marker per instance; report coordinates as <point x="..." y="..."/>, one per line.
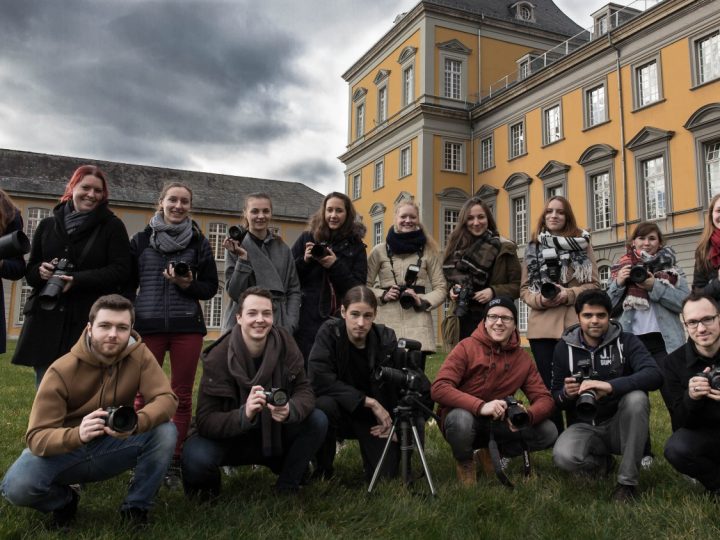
<point x="567" y="257"/>
<point x="407" y="242"/>
<point x="169" y="238"/>
<point x="473" y="266"/>
<point x="74" y="220"/>
<point x="242" y="368"/>
<point x="715" y="249"/>
<point x="663" y="266"/>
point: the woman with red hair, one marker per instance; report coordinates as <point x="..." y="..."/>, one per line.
<point x="86" y="247"/>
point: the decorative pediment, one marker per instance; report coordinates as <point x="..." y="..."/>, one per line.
<point x="453" y="194"/>
<point x="596" y="152"/>
<point x="524" y="11"/>
<point x="377" y="209"/>
<point x="455" y="46"/>
<point x="404" y="196"/>
<point x="487" y="192"/>
<point x="704" y="116"/>
<point x="649" y="135"/>
<point x="552" y="168"/>
<point x="381" y="76"/>
<point x="406" y="54"/>
<point x="517" y="180"/>
<point x="359" y="93"/>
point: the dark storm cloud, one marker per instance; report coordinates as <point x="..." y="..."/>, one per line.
<point x="310" y="171"/>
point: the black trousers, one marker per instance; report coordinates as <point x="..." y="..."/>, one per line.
<point x="696" y="452"/>
<point x="655" y="344"/>
<point x="543" y="351"/>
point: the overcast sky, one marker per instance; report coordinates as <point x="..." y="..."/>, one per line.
<point x="243" y="87"/>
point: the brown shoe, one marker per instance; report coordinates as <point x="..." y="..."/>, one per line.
<point x="483" y="459"/>
<point x="624" y="493"/>
<point x="466" y="473"/>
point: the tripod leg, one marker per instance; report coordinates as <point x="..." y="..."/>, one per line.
<point x="416" y="436"/>
<point x="382" y="460"/>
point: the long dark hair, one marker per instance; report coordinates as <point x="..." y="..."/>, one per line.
<point x="571" y="227"/>
<point x="321" y="231"/>
<point x="461" y="238"/>
<point x="8" y="211"/>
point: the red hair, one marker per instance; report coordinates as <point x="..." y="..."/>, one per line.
<point x="80" y="173"/>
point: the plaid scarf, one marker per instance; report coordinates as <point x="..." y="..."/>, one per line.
<point x="663" y="265"/>
<point x="473" y="266"/>
<point x="570" y="254"/>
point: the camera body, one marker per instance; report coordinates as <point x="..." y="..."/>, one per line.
<point x="462" y="305"/>
<point x="237" y="233"/>
<point x="277" y="397"/>
<point x="586" y="403"/>
<point x="553" y="272"/>
<point x="406" y="300"/>
<point x="407" y="367"/>
<point x="181" y="268"/>
<point x="713" y="377"/>
<point x="53" y="289"/>
<point x="122" y="419"/>
<point x="517" y="416"/>
<point x="319" y="250"/>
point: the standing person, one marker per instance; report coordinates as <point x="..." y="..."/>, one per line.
<point x="330" y="259"/>
<point x="173" y="268"/>
<point x="262" y="260"/>
<point x="408" y="253"/>
<point x="479" y="263"/>
<point x="559" y="264"/>
<point x="70" y="438"/>
<point x="12" y="268"/>
<point x="706" y="275"/>
<point x="89" y="245"/>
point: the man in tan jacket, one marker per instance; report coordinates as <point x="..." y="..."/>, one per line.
<point x="82" y="425"/>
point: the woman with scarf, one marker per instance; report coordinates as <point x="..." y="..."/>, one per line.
<point x="173" y="268"/>
<point x="559" y="264"/>
<point x="330" y="259"/>
<point x="706" y="276"/>
<point x="12" y="265"/>
<point x="479" y="265"/>
<point x="88" y="247"/>
<point x="410" y="281"/>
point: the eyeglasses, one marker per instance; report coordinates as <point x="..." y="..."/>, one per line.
<point x="706" y="321"/>
<point x="506" y="319"/>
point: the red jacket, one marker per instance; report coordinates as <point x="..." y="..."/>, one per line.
<point x="479" y="370"/>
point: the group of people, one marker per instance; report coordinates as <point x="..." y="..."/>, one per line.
<point x="309" y="325"/>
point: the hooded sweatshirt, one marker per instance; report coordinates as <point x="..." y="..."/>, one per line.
<point x="479" y="370"/>
<point x="80" y="382"/>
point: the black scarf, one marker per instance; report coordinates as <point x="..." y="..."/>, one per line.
<point x="408" y="242"/>
<point x="75" y="220"/>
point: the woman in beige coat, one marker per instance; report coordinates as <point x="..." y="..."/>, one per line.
<point x="405" y="273"/>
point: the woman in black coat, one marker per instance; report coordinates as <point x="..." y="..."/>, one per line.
<point x="330" y="259"/>
<point x="11" y="267"/>
<point x="84" y="233"/>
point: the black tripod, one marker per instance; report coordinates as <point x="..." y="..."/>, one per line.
<point x="407" y="411"/>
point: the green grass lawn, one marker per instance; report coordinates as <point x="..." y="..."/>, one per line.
<point x="549" y="505"/>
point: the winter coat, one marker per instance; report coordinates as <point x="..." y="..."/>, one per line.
<point x="678" y="368"/>
<point x="47" y="335"/>
<point x="706" y="282"/>
<point x="621" y="359"/>
<point x="666" y="303"/>
<point x="12" y="269"/>
<point x="240" y="275"/>
<point x="349" y="269"/>
<point x="550" y="323"/>
<point x="416" y="322"/>
<point x="81" y="382"/>
<point x="160" y="305"/>
<point x="479" y="370"/>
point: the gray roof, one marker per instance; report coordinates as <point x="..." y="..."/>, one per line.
<point x="548" y="16"/>
<point x="46" y="175"/>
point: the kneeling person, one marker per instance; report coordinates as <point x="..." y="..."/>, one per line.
<point x="70" y="436"/>
<point x="471" y="387"/>
<point x="601" y="376"/>
<point x="237" y="423"/>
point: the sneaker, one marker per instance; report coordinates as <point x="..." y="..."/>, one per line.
<point x="63" y="517"/>
<point x="173" y="477"/>
<point x="647" y="462"/>
<point x="504" y="463"/>
<point x="134" y="518"/>
<point x="624" y="493"/>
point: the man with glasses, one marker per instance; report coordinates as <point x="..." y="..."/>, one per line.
<point x="473" y="384"/>
<point x="692" y="395"/>
<point x="601" y="376"/>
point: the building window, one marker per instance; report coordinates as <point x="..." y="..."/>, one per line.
<point x="653" y="177"/>
<point x="522" y="310"/>
<point x="517" y="139"/>
<point x="453" y="156"/>
<point x="405" y="161"/>
<point x="647" y="88"/>
<point x="408" y="85"/>
<point x="216" y="235"/>
<point x="604" y="276"/>
<point x="601" y="200"/>
<point x="378" y="227"/>
<point x="450" y="221"/>
<point x="34" y="217"/>
<point x="274" y="230"/>
<point x="379" y="180"/>
<point x="524" y="13"/>
<point x="25" y="291"/>
<point x="707" y="58"/>
<point x="356" y="186"/>
<point x="552" y="125"/>
<point x="712" y="167"/>
<point x="595" y="110"/>
<point x="524" y="69"/>
<point x="520" y="220"/>
<point x="487" y="153"/>
<point x="453" y="78"/>
<point x="213" y="310"/>
<point x="382" y="104"/>
<point x="602" y="25"/>
<point x="554" y="191"/>
<point x="359" y="120"/>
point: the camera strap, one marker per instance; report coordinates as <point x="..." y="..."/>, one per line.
<point x="87" y="247"/>
<point x="392" y="267"/>
<point x="497" y="460"/>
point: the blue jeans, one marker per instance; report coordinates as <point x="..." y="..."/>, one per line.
<point x="42" y="482"/>
<point x="202" y="457"/>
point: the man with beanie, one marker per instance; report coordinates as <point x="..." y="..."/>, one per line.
<point x="472" y="386"/>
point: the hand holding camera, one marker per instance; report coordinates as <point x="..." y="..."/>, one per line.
<point x="321" y="252"/>
<point x="179" y="273"/>
<point x="494" y="409"/>
<point x="705" y="384"/>
<point x="233" y="241"/>
<point x="59" y="280"/>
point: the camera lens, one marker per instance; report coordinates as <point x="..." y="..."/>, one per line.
<point x="181" y="268"/>
<point x="586" y="406"/>
<point x="638" y="274"/>
<point x="406" y="301"/>
<point x="121" y="419"/>
<point x="318" y="250"/>
<point x="237" y="233"/>
<point x="549" y="290"/>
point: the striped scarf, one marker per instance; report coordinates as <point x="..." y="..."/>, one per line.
<point x="570" y="253"/>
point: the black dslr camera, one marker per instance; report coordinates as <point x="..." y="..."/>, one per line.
<point x="409" y="367"/>
<point x="713" y="377"/>
<point x="181" y="268"/>
<point x="237" y="233"/>
<point x="122" y="419"/>
<point x="276" y="397"/>
<point x="411" y="274"/>
<point x="586" y="403"/>
<point x="516" y="414"/>
<point x="319" y="250"/>
<point x="462" y="304"/>
<point x="548" y="288"/>
<point x="14" y="244"/>
<point x="53" y="289"/>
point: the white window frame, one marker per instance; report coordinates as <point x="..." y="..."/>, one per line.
<point x="24" y="292"/>
<point x="214" y="310"/>
<point x="517" y="148"/>
<point x="453" y="83"/>
<point x="379" y="174"/>
<point x="522" y="311"/>
<point x="453" y="156"/>
<point x="360" y="119"/>
<point x="604" y="276"/>
<point x="35" y="215"/>
<point x="382" y="103"/>
<point x="654" y="207"/>
<point x="217" y="232"/>
<point x="552" y="133"/>
<point x="591" y="117"/>
<point x="450" y="220"/>
<point x="520" y="219"/>
<point x="601" y="200"/>
<point x="356" y="185"/>
<point x="487" y="152"/>
<point x="704" y="72"/>
<point x="648" y="145"/>
<point x="452" y="76"/>
<point x="408" y="74"/>
<point x="378" y="232"/>
<point x="704" y="125"/>
<point x="647" y="82"/>
<point x="405" y="161"/>
<point x="711" y="166"/>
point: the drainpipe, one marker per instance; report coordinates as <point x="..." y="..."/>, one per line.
<point x="623" y="152"/>
<point x="472" y="156"/>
